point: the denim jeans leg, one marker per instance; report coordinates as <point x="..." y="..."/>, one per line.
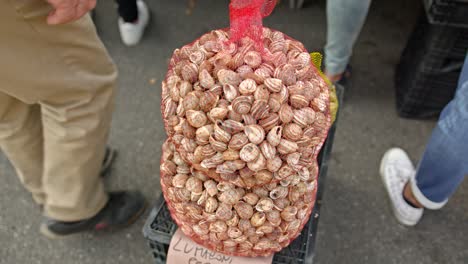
<point x="445" y="160"/>
<point x="345" y="19"/>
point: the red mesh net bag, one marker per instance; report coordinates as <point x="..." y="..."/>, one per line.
<point x="246" y="114"/>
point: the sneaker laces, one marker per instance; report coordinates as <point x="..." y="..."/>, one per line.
<point x="401" y="172"/>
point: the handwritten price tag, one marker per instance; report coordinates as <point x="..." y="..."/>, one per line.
<point x="183" y="250"/>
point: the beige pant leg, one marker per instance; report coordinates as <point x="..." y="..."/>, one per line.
<point x="21" y="140"/>
<point x="67" y="71"/>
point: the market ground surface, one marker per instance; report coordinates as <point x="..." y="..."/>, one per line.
<point x="356" y="224"/>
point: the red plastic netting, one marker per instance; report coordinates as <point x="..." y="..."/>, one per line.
<point x="246" y="18"/>
<point x="246" y="113"/>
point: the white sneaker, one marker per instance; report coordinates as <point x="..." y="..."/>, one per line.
<point x="131" y="33"/>
<point x="396" y="170"/>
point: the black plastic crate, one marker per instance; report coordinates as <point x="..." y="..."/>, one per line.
<point x="159" y="227"/>
<point x="427" y="75"/>
<point x="447" y="12"/>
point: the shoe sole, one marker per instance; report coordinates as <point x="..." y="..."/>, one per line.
<point x="52" y="235"/>
<point x="400" y="219"/>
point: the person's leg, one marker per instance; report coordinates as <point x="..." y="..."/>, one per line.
<point x="345" y="19"/>
<point x="128" y="10"/>
<point x="442" y="168"/>
<point x="21" y="130"/>
<point x="66" y="70"/>
<point x="133" y="18"/>
<point x="444" y="163"/>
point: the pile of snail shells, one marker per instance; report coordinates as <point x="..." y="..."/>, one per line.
<point x="232" y="220"/>
<point x="245" y="127"/>
<point x="244" y="116"/>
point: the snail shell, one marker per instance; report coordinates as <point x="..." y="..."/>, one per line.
<point x="244" y="225"/>
<point x="262" y="73"/>
<point x="230" y="92"/>
<point x="218" y="227"/>
<point x="274" y="164"/>
<point x="243" y="70"/>
<point x="201" y="229"/>
<point x="217" y="145"/>
<point x="179" y="180"/>
<point x="189" y="145"/>
<point x="253" y="59"/>
<point x="298" y="101"/>
<point x="208" y="101"/>
<point x="182" y="194"/>
<point x="217" y="113"/>
<point x="230" y="155"/>
<point x="196" y="119"/>
<point x="213" y="161"/>
<point x="293" y="159"/>
<point x="211" y="187"/>
<point x="232" y="126"/>
<point x="274" y="103"/>
<point x="292" y="132"/>
<point x="234" y="232"/>
<point x="258" y="219"/>
<point x="202" y="135"/>
<point x="285" y="146"/>
<point x="274" y="136"/>
<point x="170" y="108"/>
<point x="232" y="115"/>
<point x="194" y="185"/>
<point x="249" y="120"/>
<point x="263" y="176"/>
<point x="206" y="81"/>
<point x="269" y="122"/>
<point x="264" y="205"/>
<point x="247" y="86"/>
<point x="255" y="133"/>
<point x="273" y="84"/>
<point x="261" y="93"/>
<point x="246" y="172"/>
<point x="230" y="196"/>
<point x="234" y="221"/>
<point x="203" y="198"/>
<point x="206" y="151"/>
<point x="197" y="57"/>
<point x="211" y="205"/>
<point x="242" y="104"/>
<point x="244" y="210"/>
<point x="168" y="168"/>
<point x="187" y="130"/>
<point x="286" y="114"/>
<point x="224" y="212"/>
<point x="268" y="150"/>
<point x="229" y="77"/>
<point x="289" y="213"/>
<point x="238" y="141"/>
<point x="260" y="109"/>
<point x="279" y="192"/>
<point x="266" y="228"/>
<point x="257" y="165"/>
<point x="249" y="152"/>
<point x="189" y="72"/>
<point x="251" y="198"/>
<point x="221" y="134"/>
<point x="206" y="66"/>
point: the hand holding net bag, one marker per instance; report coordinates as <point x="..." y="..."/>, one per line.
<point x="246" y="114"/>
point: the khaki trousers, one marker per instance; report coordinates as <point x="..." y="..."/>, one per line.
<point x="56" y="98"/>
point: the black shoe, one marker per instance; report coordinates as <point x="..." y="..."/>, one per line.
<point x="122" y="209"/>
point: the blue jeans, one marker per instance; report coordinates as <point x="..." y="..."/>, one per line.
<point x="445" y="160"/>
<point x="345" y="19"/>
